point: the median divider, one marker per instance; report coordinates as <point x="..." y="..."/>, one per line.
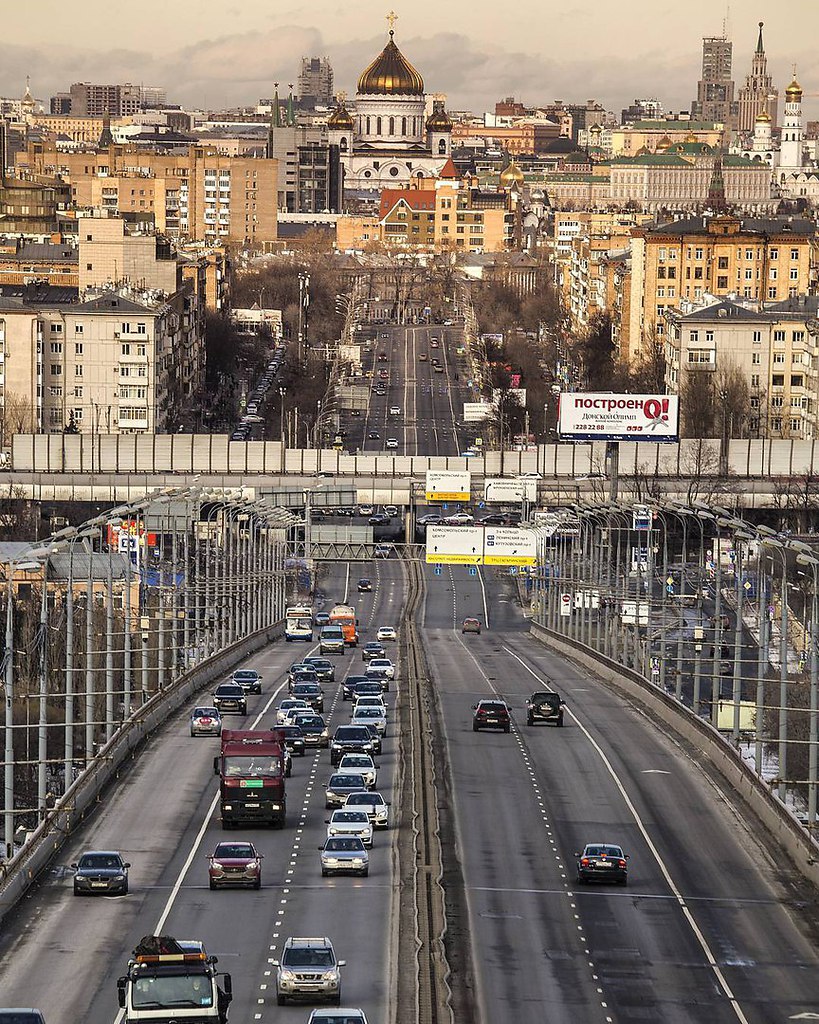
<point x="784" y="827"/>
<point x="22" y="870"/>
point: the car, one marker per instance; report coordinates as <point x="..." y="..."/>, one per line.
<point x="355" y="413"/>
<point x="373" y="435"/>
<point x="430" y="519"/>
<point x="308" y="968"/>
<point x="348" y="685"/>
<point x="206" y="721"/>
<point x="544" y="706"/>
<point x="365" y="585"/>
<point x="363" y="764"/>
<point x="491" y="714"/>
<point x="312" y="693"/>
<point x="249" y="680"/>
<point x="423" y="357"/>
<point x="395" y="410"/>
<point x="373" y="649"/>
<point x="367" y="687"/>
<point x="382" y="357"/>
<point x="377" y="808"/>
<point x="339" y="786"/>
<point x="314" y="728"/>
<point x="383" y="669"/>
<point x="386" y="633"/>
<point x="230" y="697"/>
<point x="530" y="476"/>
<point x="303" y="676"/>
<point x="101" y="872"/>
<point x="297" y="666"/>
<point x="384" y="374"/>
<point x="289" y="705"/>
<point x="344" y="854"/>
<point x="370" y="702"/>
<point x="366" y="510"/>
<point x="351" y="822"/>
<point x="391" y="510"/>
<point x="348" y="739"/>
<point x="602" y="862"/>
<point x="28" y="1015"/>
<point x="293" y="738"/>
<point x="324" y="668"/>
<point x="235" y="863"/>
<point x="434" y="343"/>
<point x="321" y="618"/>
<point x="370" y="716"/>
<point x="437" y="368"/>
<point x="345" y="1015"/>
<point x="383" y="550"/>
<point x="391" y="443"/>
<point x="470" y="625"/>
<point x="459" y="519"/>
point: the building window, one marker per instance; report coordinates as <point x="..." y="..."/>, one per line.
<point x="797" y="380"/>
<point x="774" y="254"/>
<point x="778" y="380"/>
<point x="749" y="254"/>
<point x="796" y="424"/>
<point x="693" y="336"/>
<point x="798" y="337"/>
<point x="722" y="263"/>
<point x="776" y="423"/>
<point x="755" y="382"/>
<point x="709" y="335"/>
<point x="78" y="370"/>
<point x="772" y="292"/>
<point x="56" y="370"/>
<point x="56" y="348"/>
<point x="756" y="358"/>
<point x="672" y="273"/>
<point x="78" y="328"/>
<point x="794" y="254"/>
<point x="772" y="273"/>
<point x="794" y="274"/>
<point x="722" y="282"/>
<point x="777" y="402"/>
<point x="140" y="329"/>
<point x="757" y="337"/>
<point x="78" y="393"/>
<point x="125" y="329"/>
<point x="56" y="328"/>
<point x="77" y="348"/>
<point x="779" y="357"/>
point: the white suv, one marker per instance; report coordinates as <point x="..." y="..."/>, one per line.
<point x="308" y="969"/>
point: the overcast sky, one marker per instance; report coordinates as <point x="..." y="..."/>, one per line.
<point x="216" y="53"/>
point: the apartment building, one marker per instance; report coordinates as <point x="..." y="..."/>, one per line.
<point x="775" y="347"/>
<point x="762" y="259"/>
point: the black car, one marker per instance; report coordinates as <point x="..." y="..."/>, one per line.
<point x="491" y="714"/>
<point x="378" y="519"/>
<point x="230" y="697"/>
<point x="349" y="684"/>
<point x="311" y="692"/>
<point x="314" y="729"/>
<point x="544" y="706"/>
<point x="293" y="738"/>
<point x="249" y="680"/>
<point x="325" y="670"/>
<point x="373" y="435"/>
<point x="373" y="649"/>
<point x="350" y="739"/>
<point x="302" y="675"/>
<point x="100" y="872"/>
<point x="364" y="585"/>
<point x="375" y="737"/>
<point x="602" y="862"/>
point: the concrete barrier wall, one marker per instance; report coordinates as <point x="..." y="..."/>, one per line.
<point x="740" y="778"/>
<point x="80" y="800"/>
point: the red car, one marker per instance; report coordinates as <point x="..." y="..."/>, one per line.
<point x="235" y="864"/>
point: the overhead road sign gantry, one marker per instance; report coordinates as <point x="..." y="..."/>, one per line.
<point x="447" y="485"/>
<point x="454" y="545"/>
<point x="509" y="545"/>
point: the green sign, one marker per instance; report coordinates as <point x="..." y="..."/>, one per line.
<point x="251" y="784"/>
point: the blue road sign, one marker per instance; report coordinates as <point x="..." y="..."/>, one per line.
<point x="473" y="570"/>
<point x="437" y="570"/>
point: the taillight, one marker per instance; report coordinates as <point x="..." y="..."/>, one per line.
<point x="621" y="863"/>
<point x="584" y="861"/>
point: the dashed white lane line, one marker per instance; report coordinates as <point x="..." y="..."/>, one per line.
<point x="678" y="896"/>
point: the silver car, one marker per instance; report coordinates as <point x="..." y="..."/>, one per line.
<point x="308" y="969"/>
<point x="377" y="808"/>
<point x="350" y="821"/>
<point x="371" y="716"/>
<point x="361" y="764"/>
<point x="206" y="721"/>
<point x="344" y="854"/>
<point x="381" y="667"/>
<point x="287" y="706"/>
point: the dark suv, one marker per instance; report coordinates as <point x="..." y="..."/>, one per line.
<point x="491" y="714"/>
<point x="350" y="739"/>
<point x="230" y="697"/>
<point x="249" y="680"/>
<point x="544" y="706"/>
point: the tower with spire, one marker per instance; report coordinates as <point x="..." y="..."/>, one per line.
<point x="791" y="157"/>
<point x="716" y="201"/>
<point x="758" y="95"/>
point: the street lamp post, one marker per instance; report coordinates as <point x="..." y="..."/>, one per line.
<point x="813" y="722"/>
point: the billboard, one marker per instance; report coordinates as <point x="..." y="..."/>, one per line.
<point x="454" y="545"/>
<point x="604" y="416"/>
<point x="447" y="485"/>
<point x="509" y="545"/>
<point x="506" y="489"/>
<point x="474" y="412"/>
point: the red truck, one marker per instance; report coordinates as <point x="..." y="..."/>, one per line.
<point x="251" y="777"/>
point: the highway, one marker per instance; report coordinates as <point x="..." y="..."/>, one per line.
<point x="64" y="954"/>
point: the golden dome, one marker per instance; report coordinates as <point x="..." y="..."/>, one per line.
<point x="438" y="120"/>
<point x="391" y="74"/>
<point x="511" y="176"/>
<point x="793" y="92"/>
<point x="341" y="118"/>
<point x="763" y="117"/>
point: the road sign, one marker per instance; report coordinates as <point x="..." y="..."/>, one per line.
<point x="455" y="545"/>
<point x="447" y="485"/>
<point x="437" y="570"/>
<point x="505" y="489"/>
<point x="509" y="545"/>
<point x="473" y="570"/>
<point x="566" y="604"/>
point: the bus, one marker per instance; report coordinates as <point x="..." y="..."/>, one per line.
<point x="299" y="623"/>
<point x="343" y="615"/>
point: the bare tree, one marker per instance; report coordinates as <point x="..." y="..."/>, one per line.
<point x="18" y="416"/>
<point x="697" y="404"/>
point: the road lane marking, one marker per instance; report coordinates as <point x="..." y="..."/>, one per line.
<point x="678" y="896"/>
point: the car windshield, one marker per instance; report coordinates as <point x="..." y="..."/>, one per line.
<point x="365" y="798"/>
<point x="99" y="862"/>
<point x="545" y="698"/>
<point x="330" y="1018"/>
<point x="350" y="845"/>
<point x="171" y="990"/>
<point x="245" y="673"/>
<point x="201" y="713"/>
<point x="603" y="851"/>
<point x="308" y="958"/>
<point x="368" y="713"/>
<point x="230" y="690"/>
<point x="350" y="816"/>
<point x="256" y="766"/>
<point x="345" y="781"/>
<point x="234" y="851"/>
<point x="494" y="708"/>
<point x="356" y="761"/>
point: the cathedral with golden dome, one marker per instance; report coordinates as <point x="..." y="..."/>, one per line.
<point x="387" y="139"/>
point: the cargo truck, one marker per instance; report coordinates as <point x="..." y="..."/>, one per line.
<point x="171" y="981"/>
<point x="343" y="615"/>
<point x="251" y="770"/>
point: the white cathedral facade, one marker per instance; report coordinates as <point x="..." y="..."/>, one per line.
<point x="388" y="139"/>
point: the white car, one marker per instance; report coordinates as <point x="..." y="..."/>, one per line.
<point x="351" y="821"/>
<point x="386" y="633"/>
<point x="381" y="668"/>
<point x="287" y="706"/>
<point x="392" y="442"/>
<point x="369" y="702"/>
<point x="347" y="1014"/>
<point x="371" y="716"/>
<point x="459" y="519"/>
<point x="530" y="476"/>
<point x="363" y="764"/>
<point x="377" y="808"/>
<point x="395" y="410"/>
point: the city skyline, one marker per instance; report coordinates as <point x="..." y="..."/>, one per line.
<point x="471" y="56"/>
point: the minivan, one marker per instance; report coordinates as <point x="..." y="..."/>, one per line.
<point x="331" y="640"/>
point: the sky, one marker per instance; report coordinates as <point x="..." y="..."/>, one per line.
<point x="216" y="53"/>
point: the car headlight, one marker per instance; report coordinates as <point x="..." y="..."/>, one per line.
<point x="333" y="831"/>
<point x="286" y="975"/>
<point x="330" y="975"/>
<point x="324" y="734"/>
<point x="216" y="864"/>
<point x="118" y="878"/>
<point x="358" y="860"/>
<point x="227" y="807"/>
